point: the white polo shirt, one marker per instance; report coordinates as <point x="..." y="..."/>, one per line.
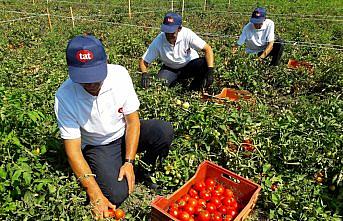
<point x="257" y="39"/>
<point x="178" y="55"/>
<point x="98" y="120"/>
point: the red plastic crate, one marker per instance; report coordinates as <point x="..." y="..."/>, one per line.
<point x="246" y="192"/>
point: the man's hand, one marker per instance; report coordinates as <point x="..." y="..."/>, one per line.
<point x="100" y="207"/>
<point x="145" y="81"/>
<point x="127" y="171"/>
<point x="209" y="78"/>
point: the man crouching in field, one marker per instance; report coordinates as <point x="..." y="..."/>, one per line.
<point x="176" y="47"/>
<point x="259" y="37"/>
<point x="97" y="114"/>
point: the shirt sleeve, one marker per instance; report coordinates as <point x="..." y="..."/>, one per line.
<point x="195" y="41"/>
<point x="152" y="52"/>
<point x="242" y="37"/>
<point x="270" y="36"/>
<point x="67" y="124"/>
<point x="132" y="103"/>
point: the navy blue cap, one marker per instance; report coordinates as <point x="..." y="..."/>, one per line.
<point x="258" y="16"/>
<point x="171" y="22"/>
<point x="86" y="59"/>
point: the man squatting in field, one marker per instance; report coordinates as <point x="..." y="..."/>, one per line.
<point x="259" y="37"/>
<point x="176" y="47"/>
<point x="97" y="114"/>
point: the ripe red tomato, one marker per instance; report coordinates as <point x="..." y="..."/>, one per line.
<point x="191" y="219"/>
<point x="210" y="182"/>
<point x="210" y="188"/>
<point x="222" y="209"/>
<point x="210" y="207"/>
<point x="227" y="201"/>
<point x="181" y="203"/>
<point x="216" y="201"/>
<point x="205" y="195"/>
<point x="186" y="197"/>
<point x="204" y="216"/>
<point x="199" y="186"/>
<point x="216" y="193"/>
<point x="216" y="216"/>
<point x="202" y="203"/>
<point x="232" y="212"/>
<point x="228" y="193"/>
<point x="189" y="209"/>
<point x="220" y="188"/>
<point x="111" y="212"/>
<point x="192" y="192"/>
<point x="248" y="145"/>
<point x="173" y="206"/>
<point x="174" y="212"/>
<point x="193" y="202"/>
<point x="234" y="204"/>
<point x="196" y="197"/>
<point x="198" y="209"/>
<point x="184" y="216"/>
<point x="119" y="214"/>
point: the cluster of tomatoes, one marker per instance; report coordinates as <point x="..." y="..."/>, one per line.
<point x="118" y="214"/>
<point x="205" y="201"/>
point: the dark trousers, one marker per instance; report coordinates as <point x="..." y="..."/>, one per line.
<point x="196" y="69"/>
<point x="276" y="52"/>
<point x="105" y="160"/>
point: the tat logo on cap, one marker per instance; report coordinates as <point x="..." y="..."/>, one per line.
<point x="170" y="20"/>
<point x="84" y="56"/>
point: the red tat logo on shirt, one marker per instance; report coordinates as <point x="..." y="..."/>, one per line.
<point x="120" y="110"/>
<point x="84" y="56"/>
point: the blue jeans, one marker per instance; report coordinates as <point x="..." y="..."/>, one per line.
<point x="196" y="69"/>
<point x="105" y="160"/>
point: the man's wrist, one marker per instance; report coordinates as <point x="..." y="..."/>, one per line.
<point x="94" y="193"/>
<point x="132" y="161"/>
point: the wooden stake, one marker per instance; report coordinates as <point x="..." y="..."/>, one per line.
<point x="205" y="5"/>
<point x="130" y="9"/>
<point x="49" y="20"/>
<point x="33" y="1"/>
<point x="72" y="16"/>
<point x="172" y="7"/>
<point x="183" y="7"/>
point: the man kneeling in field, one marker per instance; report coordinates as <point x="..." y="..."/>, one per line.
<point x="97" y="114"/>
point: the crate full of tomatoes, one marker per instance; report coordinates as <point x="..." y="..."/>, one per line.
<point x="213" y="193"/>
